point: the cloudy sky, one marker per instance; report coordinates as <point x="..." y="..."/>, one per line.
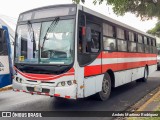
<point x="13" y="8"/>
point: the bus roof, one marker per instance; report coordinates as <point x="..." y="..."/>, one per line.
<point x="87" y="10"/>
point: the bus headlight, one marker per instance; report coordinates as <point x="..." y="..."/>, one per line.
<point x="17" y="78"/>
<point x="63" y="83"/>
<point x="69" y="82"/>
<point x="66" y="83"/>
<point x="20" y="80"/>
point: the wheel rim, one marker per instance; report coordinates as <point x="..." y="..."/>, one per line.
<point x="105" y="86"/>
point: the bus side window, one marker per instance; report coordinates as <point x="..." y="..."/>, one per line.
<point x="122" y="43"/>
<point x="140" y="43"/>
<point x="109" y="44"/>
<point x="132" y="47"/>
<point x="109" y="34"/>
<point x="93" y="45"/>
<point x="93" y="36"/>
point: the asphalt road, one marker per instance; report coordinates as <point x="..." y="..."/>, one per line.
<point x="121" y="98"/>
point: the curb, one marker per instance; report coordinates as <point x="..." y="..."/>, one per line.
<point x="6" y="88"/>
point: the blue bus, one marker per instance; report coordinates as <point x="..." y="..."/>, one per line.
<point x="5" y="58"/>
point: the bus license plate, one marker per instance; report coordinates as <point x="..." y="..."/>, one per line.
<point x="38" y="89"/>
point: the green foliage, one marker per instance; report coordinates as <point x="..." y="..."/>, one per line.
<point x="155" y="31"/>
<point x="146" y="9"/>
<point x="78" y="1"/>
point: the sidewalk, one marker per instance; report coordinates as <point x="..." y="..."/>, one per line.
<point x="153" y="104"/>
<point x="9" y="87"/>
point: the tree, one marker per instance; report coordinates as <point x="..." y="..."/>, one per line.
<point x="146" y="9"/>
<point x="155" y="31"/>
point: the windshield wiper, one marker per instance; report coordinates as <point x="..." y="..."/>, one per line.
<point x="31" y="30"/>
<point x="53" y="25"/>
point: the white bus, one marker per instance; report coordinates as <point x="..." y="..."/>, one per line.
<point x="73" y="52"/>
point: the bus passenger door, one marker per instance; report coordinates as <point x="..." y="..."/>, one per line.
<point x="5" y="76"/>
<point x="89" y="54"/>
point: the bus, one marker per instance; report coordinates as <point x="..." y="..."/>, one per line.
<point x="73" y="52"/>
<point x="5" y="58"/>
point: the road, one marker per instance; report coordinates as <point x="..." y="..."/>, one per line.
<point x="121" y="98"/>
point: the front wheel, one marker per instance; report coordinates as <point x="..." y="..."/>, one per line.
<point x="106" y="88"/>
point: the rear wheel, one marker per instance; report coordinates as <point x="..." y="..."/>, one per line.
<point x="145" y="76"/>
<point x="106" y="88"/>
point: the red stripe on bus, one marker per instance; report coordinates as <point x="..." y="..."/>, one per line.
<point x="124" y="66"/>
<point x="57" y="95"/>
<point x="100" y="55"/>
<point x="71" y="70"/>
<point x="68" y="97"/>
<point x="106" y="54"/>
<point x="92" y="70"/>
<point x="45" y="76"/>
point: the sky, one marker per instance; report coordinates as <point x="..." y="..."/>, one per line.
<point x="13" y="8"/>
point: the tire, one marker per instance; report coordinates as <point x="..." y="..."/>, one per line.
<point x="144" y="79"/>
<point x="106" y="88"/>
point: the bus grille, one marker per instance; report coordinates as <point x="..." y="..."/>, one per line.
<point x="44" y="90"/>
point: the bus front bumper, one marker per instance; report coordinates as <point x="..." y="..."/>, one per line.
<point x="68" y="92"/>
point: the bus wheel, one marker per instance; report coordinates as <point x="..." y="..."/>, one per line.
<point x="144" y="79"/>
<point x="106" y="88"/>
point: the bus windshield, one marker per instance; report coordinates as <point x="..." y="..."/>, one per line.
<point x="48" y="42"/>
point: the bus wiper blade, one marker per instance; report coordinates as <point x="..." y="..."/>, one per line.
<point x="31" y="30"/>
<point x="53" y="25"/>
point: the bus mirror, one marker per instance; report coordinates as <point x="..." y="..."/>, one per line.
<point x="88" y="34"/>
